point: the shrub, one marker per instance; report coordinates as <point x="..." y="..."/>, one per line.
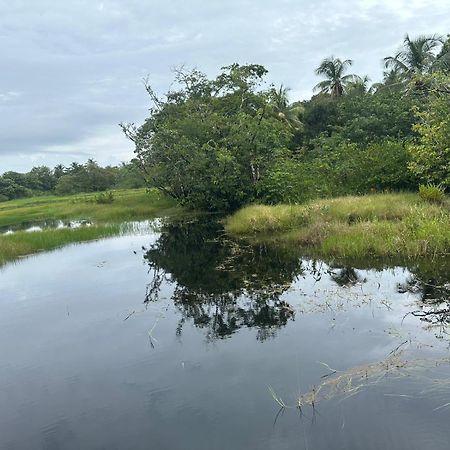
<point x="431" y="193"/>
<point x="104" y="198"/>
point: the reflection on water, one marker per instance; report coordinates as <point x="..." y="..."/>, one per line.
<point x="85" y="364"/>
<point x="220" y="285"/>
<point x="44" y="225"/>
<point x="224" y="285"/>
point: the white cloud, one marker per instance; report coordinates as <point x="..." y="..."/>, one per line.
<point x="81" y="62"/>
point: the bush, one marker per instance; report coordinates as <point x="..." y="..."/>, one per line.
<point x="293" y="181"/>
<point x="431" y="193"/>
<point x="104" y="198"/>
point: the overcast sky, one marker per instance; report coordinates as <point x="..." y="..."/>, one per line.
<point x="70" y="71"/>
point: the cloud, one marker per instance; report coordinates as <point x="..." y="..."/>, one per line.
<point x="70" y="71"/>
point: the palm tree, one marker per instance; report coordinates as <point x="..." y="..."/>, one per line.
<point x="443" y="58"/>
<point x="289" y="113"/>
<point x="416" y="56"/>
<point x="361" y="85"/>
<point x="336" y="82"/>
<point x="393" y="80"/>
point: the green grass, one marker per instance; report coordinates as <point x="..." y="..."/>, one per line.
<point x="128" y="205"/>
<point x="21" y="244"/>
<point x="381" y="225"/>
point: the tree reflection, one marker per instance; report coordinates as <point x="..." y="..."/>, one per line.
<point x="346" y="277"/>
<point x="220" y="285"/>
<point x="430" y="282"/>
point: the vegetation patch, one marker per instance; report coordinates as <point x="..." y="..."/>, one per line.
<point x="107" y="210"/>
<point x="23" y="243"/>
<point x="126" y="204"/>
<point x="380" y="225"/>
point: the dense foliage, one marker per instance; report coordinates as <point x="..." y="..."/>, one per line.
<point x="88" y="177"/>
<point x="220" y="143"/>
<point x="431" y="152"/>
<point x="210" y="142"/>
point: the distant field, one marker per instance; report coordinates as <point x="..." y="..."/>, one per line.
<point x="128" y="204"/>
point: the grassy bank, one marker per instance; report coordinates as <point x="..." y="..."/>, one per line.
<point x="128" y="205"/>
<point x="381" y="225"/>
<point x="20" y="244"/>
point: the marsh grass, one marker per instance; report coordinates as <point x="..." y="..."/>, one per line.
<point x="381" y="225"/>
<point x="22" y="243"/>
<point x="127" y="205"/>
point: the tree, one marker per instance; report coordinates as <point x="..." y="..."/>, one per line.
<point x="417" y="56"/>
<point x="431" y="153"/>
<point x="320" y="116"/>
<point x="373" y="117"/>
<point x="336" y="81"/>
<point x="442" y="62"/>
<point x="41" y="179"/>
<point x="208" y="143"/>
<point x="289" y="113"/>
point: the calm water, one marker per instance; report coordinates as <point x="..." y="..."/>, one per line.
<point x="172" y="340"/>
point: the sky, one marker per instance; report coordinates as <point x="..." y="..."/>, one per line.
<point x="71" y="71"/>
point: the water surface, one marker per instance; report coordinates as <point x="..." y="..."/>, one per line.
<point x="175" y="340"/>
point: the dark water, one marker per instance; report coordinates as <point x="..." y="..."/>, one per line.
<point x="172" y="341"/>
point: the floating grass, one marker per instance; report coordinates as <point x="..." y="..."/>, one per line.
<point x="345" y="384"/>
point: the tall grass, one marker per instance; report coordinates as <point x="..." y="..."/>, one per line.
<point x="128" y="205"/>
<point x="22" y="243"/>
<point x="372" y="225"/>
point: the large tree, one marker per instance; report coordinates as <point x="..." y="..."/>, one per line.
<point x="209" y="142"/>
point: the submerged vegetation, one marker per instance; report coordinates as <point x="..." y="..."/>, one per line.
<point x="379" y="225"/>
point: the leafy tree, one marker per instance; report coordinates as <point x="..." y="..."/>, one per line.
<point x="336" y="81"/>
<point x="431" y="153"/>
<point x="320" y="116"/>
<point x="208" y="143"/>
<point x="368" y="117"/>
<point x="289" y="113"/>
<point x="10" y="189"/>
<point x="41" y="179"/>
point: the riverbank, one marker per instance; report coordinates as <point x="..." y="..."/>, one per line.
<point x="127" y="205"/>
<point x="379" y="225"/>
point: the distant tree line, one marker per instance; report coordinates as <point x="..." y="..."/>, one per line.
<point x="88" y="177"/>
<point x="219" y="143"/>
